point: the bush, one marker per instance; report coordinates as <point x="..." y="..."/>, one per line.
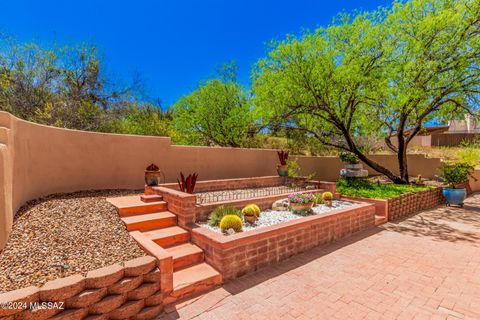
<point x="348" y="157"/>
<point x="221" y="211"/>
<point x="231" y="221"/>
<point x="251" y="209"/>
<point x="455" y="173"/>
<point x="366" y="189"/>
<point x="326" y="196"/>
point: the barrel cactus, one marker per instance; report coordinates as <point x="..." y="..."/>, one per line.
<point x="251" y="209"/>
<point x="231" y="221"/>
<point x="327" y="196"/>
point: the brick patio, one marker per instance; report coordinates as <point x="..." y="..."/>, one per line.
<point x="425" y="267"/>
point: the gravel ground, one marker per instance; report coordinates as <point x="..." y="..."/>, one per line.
<point x="271" y="217"/>
<point x="64" y="234"/>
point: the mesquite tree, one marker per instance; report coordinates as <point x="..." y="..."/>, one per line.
<point x="384" y="73"/>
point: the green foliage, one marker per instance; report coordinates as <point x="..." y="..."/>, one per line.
<point x="293" y="168"/>
<point x="216" y="113"/>
<point x="348" y="157"/>
<point x="366" y="189"/>
<point x="231" y="221"/>
<point x="250" y="210"/>
<point x="455" y="173"/>
<point x="221" y="211"/>
<point x="147" y="120"/>
<point x="374" y="74"/>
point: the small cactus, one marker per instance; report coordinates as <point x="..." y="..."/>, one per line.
<point x="231" y="221"/>
<point x="327" y="196"/>
<point x="251" y="209"/>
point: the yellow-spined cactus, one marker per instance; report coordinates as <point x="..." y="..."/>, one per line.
<point x="231" y="221"/>
<point x="251" y="209"/>
<point x="327" y="196"/>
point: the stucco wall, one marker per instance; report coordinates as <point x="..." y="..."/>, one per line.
<point x="38" y="160"/>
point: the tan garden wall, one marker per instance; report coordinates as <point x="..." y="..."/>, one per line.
<point x="39" y="160"/>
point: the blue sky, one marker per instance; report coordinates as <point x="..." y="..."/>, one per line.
<point x="172" y="44"/>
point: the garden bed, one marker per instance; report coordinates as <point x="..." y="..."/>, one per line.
<point x="62" y="235"/>
<point x="247" y="251"/>
<point x="272" y="217"/>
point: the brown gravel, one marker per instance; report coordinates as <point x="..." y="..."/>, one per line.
<point x="65" y="234"/>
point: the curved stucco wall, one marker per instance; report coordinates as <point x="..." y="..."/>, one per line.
<point x="38" y="160"/>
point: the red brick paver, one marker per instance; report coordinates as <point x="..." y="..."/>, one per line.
<point x="425" y="267"/>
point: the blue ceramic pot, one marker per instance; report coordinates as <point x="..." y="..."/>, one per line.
<point x="454" y="196"/>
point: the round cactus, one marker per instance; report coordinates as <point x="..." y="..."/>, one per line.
<point x="327" y="196"/>
<point x="231" y="221"/>
<point x="251" y="209"/>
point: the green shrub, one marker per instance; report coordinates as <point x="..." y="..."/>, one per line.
<point x="231" y="221"/>
<point x="221" y="211"/>
<point x="366" y="189"/>
<point x="348" y="157"/>
<point x="251" y="209"/>
<point x="455" y="173"/>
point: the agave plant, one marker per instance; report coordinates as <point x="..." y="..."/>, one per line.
<point x="187" y="184"/>
<point x="283" y="157"/>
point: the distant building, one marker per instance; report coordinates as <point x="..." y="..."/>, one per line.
<point x="469" y="125"/>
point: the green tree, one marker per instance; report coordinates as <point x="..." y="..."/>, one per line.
<point x="216" y="113"/>
<point x="377" y="73"/>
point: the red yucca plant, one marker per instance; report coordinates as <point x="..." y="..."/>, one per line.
<point x="187" y="185"/>
<point x="283" y="157"/>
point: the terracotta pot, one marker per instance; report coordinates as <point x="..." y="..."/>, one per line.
<point x="152" y="178"/>
<point x="250" y="219"/>
<point x="301" y="206"/>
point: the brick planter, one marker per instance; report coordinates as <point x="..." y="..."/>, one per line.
<point x="113" y="292"/>
<point x="185" y="206"/>
<point x="244" y="252"/>
<point x="405" y="204"/>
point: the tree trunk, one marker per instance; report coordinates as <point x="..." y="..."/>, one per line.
<point x="402" y="157"/>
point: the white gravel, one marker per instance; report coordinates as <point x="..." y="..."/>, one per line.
<point x="272" y="217"/>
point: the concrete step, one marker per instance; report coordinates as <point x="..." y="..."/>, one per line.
<point x="150" y="221"/>
<point x="167" y="237"/>
<point x="151" y="197"/>
<point x="185" y="255"/>
<point x="380" y="220"/>
<point x="193" y="280"/>
<point x="132" y="205"/>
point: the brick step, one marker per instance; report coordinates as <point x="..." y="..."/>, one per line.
<point x="150" y="221"/>
<point x="151" y="197"/>
<point x="185" y="255"/>
<point x="132" y="205"/>
<point x="167" y="237"/>
<point x="193" y="280"/>
<point x="380" y="220"/>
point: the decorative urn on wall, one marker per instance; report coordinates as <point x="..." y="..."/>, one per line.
<point x="152" y="175"/>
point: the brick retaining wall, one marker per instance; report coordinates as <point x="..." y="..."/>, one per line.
<point x="245" y="252"/>
<point x="410" y="203"/>
<point x="131" y="290"/>
<point x="405" y="204"/>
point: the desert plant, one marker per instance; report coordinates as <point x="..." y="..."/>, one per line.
<point x="283" y="157"/>
<point x="419" y="180"/>
<point x="251" y="210"/>
<point x="455" y="173"/>
<point x="152" y="167"/>
<point x="231" y="221"/>
<point x="187" y="184"/>
<point x="220" y="212"/>
<point x="348" y="157"/>
<point x="327" y="196"/>
<point x="318" y="198"/>
<point x="293" y="168"/>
